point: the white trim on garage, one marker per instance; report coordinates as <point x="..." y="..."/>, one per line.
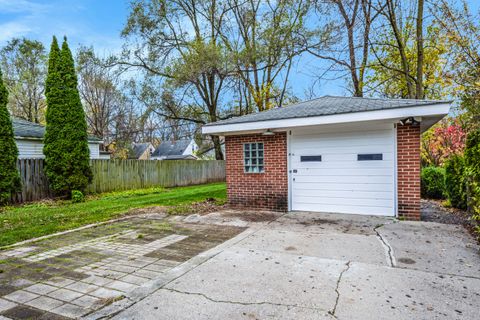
<point x="355" y="186"/>
<point x="432" y="113"/>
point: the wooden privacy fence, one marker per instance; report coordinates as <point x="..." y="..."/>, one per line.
<point x="115" y="175"/>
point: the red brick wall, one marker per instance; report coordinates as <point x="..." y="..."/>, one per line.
<point x="267" y="190"/>
<point x="408" y="175"/>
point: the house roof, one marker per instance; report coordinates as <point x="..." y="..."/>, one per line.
<point x="328" y="105"/>
<point x="26" y="129"/>
<point x="181" y="157"/>
<point x="138" y="149"/>
<point x="171" y="148"/>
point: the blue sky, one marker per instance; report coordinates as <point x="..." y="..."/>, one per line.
<point x="98" y="23"/>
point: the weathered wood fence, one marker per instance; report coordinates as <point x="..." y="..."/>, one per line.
<point x="115" y="175"/>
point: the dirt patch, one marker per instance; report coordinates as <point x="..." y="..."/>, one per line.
<point x="148" y="210"/>
<point x="202" y="208"/>
<point x="434" y="211"/>
<point x="252" y="216"/>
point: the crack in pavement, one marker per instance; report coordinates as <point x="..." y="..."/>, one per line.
<point x="132" y="302"/>
<point x="388" y="249"/>
<point x="239" y="302"/>
<point x="334" y="309"/>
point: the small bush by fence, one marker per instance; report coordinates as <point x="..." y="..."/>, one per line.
<point x="115" y="175"/>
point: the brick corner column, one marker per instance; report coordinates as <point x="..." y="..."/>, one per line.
<point x="408" y="171"/>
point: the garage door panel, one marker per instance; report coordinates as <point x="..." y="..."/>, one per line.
<point x="339" y="182"/>
<point x="339" y="157"/>
<point x="353" y="209"/>
<point x="344" y="165"/>
<point x="344" y="194"/>
<point x="385" y="203"/>
<point x="355" y="141"/>
<point x="339" y="136"/>
<point x="347" y="171"/>
<point x="361" y="179"/>
<point x="378" y="187"/>
<point x="383" y="148"/>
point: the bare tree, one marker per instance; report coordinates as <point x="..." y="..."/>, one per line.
<point x="263" y="38"/>
<point x="24" y="64"/>
<point x="412" y="70"/>
<point x="99" y="92"/>
<point x="177" y="45"/>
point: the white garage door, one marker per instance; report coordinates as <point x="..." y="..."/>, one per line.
<point x="343" y="170"/>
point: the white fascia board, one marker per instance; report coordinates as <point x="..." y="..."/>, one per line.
<point x="398" y="113"/>
<point x="28" y="138"/>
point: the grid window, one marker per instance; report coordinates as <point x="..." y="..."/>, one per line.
<point x="253" y="157"/>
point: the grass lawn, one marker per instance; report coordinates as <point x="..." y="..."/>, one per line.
<point x="35" y="220"/>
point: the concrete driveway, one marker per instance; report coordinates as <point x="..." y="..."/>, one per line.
<point x="314" y="266"/>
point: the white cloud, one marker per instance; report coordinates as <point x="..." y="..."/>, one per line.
<point x="13" y="29"/>
<point x="40" y="20"/>
<point x="19" y="6"/>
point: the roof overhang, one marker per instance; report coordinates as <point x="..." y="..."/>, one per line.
<point x="41" y="139"/>
<point x="429" y="116"/>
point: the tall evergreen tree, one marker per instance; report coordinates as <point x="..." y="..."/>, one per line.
<point x="9" y="177"/>
<point x="66" y="141"/>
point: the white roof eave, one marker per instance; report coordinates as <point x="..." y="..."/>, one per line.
<point x="437" y="111"/>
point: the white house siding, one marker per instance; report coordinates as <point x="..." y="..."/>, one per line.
<point x="94" y="150"/>
<point x="33" y="149"/>
<point x="104" y="156"/>
<point x="30" y="149"/>
<point x="191" y="149"/>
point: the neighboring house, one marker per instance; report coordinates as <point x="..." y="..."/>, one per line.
<point x="141" y="151"/>
<point x="29" y="139"/>
<point x="331" y="154"/>
<point x="105" y="155"/>
<point x="176" y="150"/>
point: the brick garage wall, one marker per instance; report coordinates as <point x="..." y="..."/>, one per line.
<point x="267" y="190"/>
<point x="408" y="175"/>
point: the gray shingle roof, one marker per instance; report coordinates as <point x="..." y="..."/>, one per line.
<point x="138" y="149"/>
<point x="181" y="157"/>
<point x="26" y="129"/>
<point x="328" y="105"/>
<point x="171" y="148"/>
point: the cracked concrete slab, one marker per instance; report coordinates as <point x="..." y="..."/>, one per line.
<point x="320" y="222"/>
<point x="364" y="248"/>
<point x="433" y="247"/>
<point x="167" y="304"/>
<point x="374" y="292"/>
<point x="256" y="276"/>
<point x="318" y="265"/>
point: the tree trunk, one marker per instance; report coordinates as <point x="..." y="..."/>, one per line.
<point x="401" y="48"/>
<point x="218" y="147"/>
<point x="419" y="87"/>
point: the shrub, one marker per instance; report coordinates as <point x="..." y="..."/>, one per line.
<point x="9" y="177"/>
<point x="455" y="182"/>
<point x="77" y="196"/>
<point x="472" y="153"/>
<point x="472" y="161"/>
<point x="66" y="142"/>
<point x="433" y="182"/>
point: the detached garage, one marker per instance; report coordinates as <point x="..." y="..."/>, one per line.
<point x="332" y="154"/>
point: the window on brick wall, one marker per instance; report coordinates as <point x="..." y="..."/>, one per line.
<point x="253" y="157"/>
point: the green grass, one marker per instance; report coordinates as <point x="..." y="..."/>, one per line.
<point x="35" y="220"/>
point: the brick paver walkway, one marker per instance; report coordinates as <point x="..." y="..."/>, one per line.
<point x="75" y="274"/>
